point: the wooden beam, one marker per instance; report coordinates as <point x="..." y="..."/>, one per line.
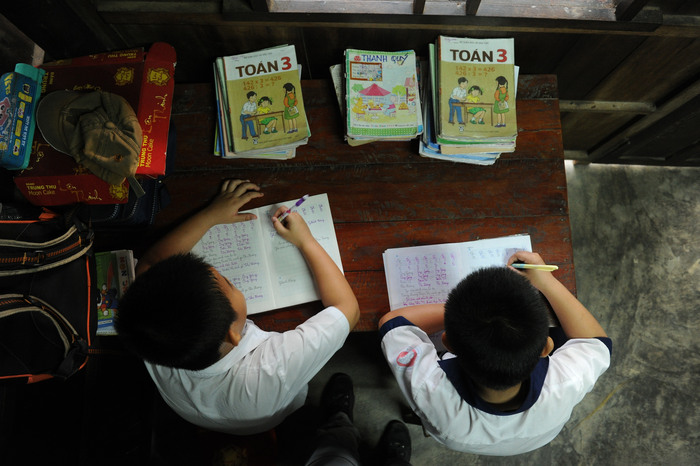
<point x="627" y="10"/>
<point x="418" y="7"/>
<point x="621" y="138"/>
<point x="259" y="5"/>
<point x="473" y="7"/>
<point x="642" y="108"/>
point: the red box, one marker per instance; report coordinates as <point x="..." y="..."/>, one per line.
<point x="146" y="81"/>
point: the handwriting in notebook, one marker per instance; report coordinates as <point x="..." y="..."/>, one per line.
<point x="427" y="274"/>
<point x="291" y="274"/>
<point x="235" y="251"/>
<point x="270" y="271"/>
<point x="426" y="278"/>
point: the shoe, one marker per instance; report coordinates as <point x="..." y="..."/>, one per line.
<point x="274" y="130"/>
<point x="244" y="137"/>
<point x="472" y="121"/>
<point x="266" y="132"/>
<point x="481" y="122"/>
<point x="451" y="122"/>
<point x="338" y="396"/>
<point x="395" y="443"/>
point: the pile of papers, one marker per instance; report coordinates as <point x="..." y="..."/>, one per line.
<point x="260" y="107"/>
<point x="469" y="96"/>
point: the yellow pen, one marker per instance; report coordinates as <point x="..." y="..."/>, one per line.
<point x="546" y="268"/>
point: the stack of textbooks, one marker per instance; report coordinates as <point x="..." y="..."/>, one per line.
<point x="379" y="96"/>
<point x="115" y="272"/>
<point x="260" y="106"/>
<point x="470" y="113"/>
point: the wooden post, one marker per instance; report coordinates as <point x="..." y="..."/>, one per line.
<point x="472" y="7"/>
<point x="418" y="7"/>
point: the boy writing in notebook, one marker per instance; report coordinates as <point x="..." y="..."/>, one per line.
<point x="212" y="366"/>
<point x="497" y="390"/>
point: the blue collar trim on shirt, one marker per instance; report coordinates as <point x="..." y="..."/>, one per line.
<point x="398" y="321"/>
<point x="607" y="342"/>
<point x="466" y="389"/>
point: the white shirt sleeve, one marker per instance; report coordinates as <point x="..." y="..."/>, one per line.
<point x="584" y="360"/>
<point x="302" y="352"/>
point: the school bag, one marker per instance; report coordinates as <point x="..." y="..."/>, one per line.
<point x="47" y="298"/>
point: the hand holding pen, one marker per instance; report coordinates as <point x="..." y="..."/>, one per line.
<point x="293" y="209"/>
<point x="295" y="230"/>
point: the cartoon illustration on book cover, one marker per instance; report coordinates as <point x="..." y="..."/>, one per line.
<point x="109" y="291"/>
<point x="500" y="106"/>
<point x="467" y="69"/>
<point x="263" y="88"/>
<point x="382" y="93"/>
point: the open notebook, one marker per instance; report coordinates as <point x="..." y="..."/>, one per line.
<point x="426" y="274"/>
<point x="266" y="268"/>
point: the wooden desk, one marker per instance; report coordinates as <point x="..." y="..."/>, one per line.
<point x="383" y="194"/>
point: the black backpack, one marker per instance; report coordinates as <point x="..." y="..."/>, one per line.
<point x="47" y="299"/>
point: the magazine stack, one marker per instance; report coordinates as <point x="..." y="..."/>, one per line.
<point x="379" y="96"/>
<point x="260" y="107"/>
<point x="470" y="107"/>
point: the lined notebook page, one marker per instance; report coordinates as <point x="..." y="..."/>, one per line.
<point x="426" y="274"/>
<point x="269" y="271"/>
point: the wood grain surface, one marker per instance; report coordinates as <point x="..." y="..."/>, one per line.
<point x="384" y="194"/>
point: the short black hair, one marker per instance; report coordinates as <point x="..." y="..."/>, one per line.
<point x="462" y="80"/>
<point x="251" y="94"/>
<point x="497" y="324"/>
<point x="175" y="314"/>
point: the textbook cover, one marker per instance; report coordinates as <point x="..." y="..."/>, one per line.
<point x="476" y="93"/>
<point x="382" y="94"/>
<point x="115" y="272"/>
<point x="265" y="105"/>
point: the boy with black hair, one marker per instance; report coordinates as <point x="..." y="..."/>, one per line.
<point x="212" y="366"/>
<point x="497" y="390"/>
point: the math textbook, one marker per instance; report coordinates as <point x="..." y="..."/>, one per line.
<point x="475" y="92"/>
<point x="270" y="271"/>
<point x="382" y="95"/>
<point x="261" y="101"/>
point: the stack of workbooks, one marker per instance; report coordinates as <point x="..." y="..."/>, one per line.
<point x="260" y="106"/>
<point x="379" y="95"/>
<point x="470" y="100"/>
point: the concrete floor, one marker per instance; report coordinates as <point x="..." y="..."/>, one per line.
<point x="637" y="256"/>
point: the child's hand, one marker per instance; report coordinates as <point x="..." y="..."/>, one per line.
<point x="537" y="277"/>
<point x="293" y="228"/>
<point x="234" y="194"/>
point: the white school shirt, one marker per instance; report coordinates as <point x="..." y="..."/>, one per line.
<point x="454" y="414"/>
<point x="259" y="382"/>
